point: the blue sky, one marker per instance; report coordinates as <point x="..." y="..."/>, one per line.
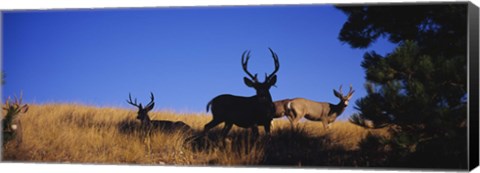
<point x="185" y="56"/>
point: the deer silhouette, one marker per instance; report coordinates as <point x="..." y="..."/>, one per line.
<point x="246" y="112"/>
<point x="148" y="124"/>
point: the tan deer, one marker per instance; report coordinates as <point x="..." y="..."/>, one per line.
<point x="246" y="112"/>
<point x="280" y="109"/>
<point x="148" y="124"/>
<point x="318" y="111"/>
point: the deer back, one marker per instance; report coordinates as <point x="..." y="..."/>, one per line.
<point x="310" y="109"/>
<point x="242" y="111"/>
<point x="169" y="125"/>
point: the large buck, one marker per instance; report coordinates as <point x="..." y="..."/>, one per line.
<point x="246" y="112"/>
<point x="318" y="111"/>
<point x="148" y="124"/>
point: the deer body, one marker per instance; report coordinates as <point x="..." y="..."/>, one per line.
<point x="148" y="124"/>
<point x="314" y="111"/>
<point x="164" y="125"/>
<point x="317" y="111"/>
<point x="242" y="111"/>
<point x="246" y="112"/>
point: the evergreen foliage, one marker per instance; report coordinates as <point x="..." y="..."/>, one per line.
<point x="420" y="88"/>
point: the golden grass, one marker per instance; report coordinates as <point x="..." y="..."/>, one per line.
<point x="70" y="133"/>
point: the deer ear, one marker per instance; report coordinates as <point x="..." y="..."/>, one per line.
<point x="24" y="108"/>
<point x="273" y="80"/>
<point x="337" y="94"/>
<point x="248" y="82"/>
<point x="149" y="108"/>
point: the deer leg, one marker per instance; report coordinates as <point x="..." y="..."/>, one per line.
<point x="295" y="117"/>
<point x="226" y="129"/>
<point x="290" y="117"/>
<point x="210" y="125"/>
<point x="325" y="125"/>
<point x="266" y="127"/>
<point x="254" y="130"/>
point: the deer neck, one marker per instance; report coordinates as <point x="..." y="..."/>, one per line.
<point x="265" y="102"/>
<point x="266" y="99"/>
<point x="338" y="108"/>
<point x="146" y="120"/>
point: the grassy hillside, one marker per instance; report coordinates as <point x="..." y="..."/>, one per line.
<point x="70" y="133"/>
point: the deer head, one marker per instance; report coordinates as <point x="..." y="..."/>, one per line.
<point x="262" y="88"/>
<point x="15" y="107"/>
<point x="142" y="113"/>
<point x="343" y="99"/>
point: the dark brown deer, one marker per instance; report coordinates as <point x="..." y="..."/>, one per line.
<point x="148" y="124"/>
<point x="246" y="112"/>
<point x="318" y="111"/>
<point x="12" y="126"/>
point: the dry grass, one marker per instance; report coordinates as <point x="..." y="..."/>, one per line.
<point x="80" y="134"/>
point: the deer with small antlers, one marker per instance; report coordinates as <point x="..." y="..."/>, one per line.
<point x="149" y="124"/>
<point x="11" y="125"/>
<point x="318" y="111"/>
<point x="246" y="112"/>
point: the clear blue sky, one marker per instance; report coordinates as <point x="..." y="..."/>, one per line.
<point x="185" y="56"/>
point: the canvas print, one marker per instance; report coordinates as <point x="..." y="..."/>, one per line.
<point x="311" y="86"/>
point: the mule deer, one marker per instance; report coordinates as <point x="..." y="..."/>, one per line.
<point x="148" y="124"/>
<point x="280" y="109"/>
<point x="246" y="112"/>
<point x="318" y="111"/>
<point x="11" y="125"/>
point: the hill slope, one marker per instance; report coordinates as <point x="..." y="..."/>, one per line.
<point x="69" y="133"/>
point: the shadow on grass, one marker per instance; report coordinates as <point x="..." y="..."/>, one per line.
<point x="284" y="147"/>
<point x="235" y="140"/>
<point x="298" y="148"/>
<point x="287" y="147"/>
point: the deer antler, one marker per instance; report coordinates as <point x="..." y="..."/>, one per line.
<point x="15" y="107"/>
<point x="244" y="65"/>
<point x="133" y="103"/>
<point x="350" y="92"/>
<point x="277" y="65"/>
<point x="340" y="90"/>
<point x="7" y="104"/>
<point x="151" y="100"/>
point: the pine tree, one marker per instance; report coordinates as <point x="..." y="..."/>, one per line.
<point x="418" y="90"/>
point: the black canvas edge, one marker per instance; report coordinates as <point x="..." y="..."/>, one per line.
<point x="473" y="96"/>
